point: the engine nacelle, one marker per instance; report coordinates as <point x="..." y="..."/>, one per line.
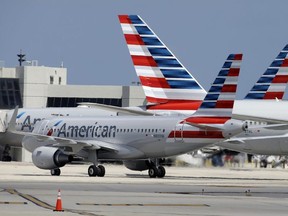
<point x="137" y="165"/>
<point x="234" y="127"/>
<point x="50" y="158"/>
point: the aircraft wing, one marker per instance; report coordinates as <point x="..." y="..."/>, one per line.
<point x="239" y="140"/>
<point x="123" y="110"/>
<point x="32" y="141"/>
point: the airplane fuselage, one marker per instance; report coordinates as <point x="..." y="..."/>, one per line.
<point x="152" y="136"/>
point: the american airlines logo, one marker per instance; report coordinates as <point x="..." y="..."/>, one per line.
<point x="87" y="131"/>
<point x="28" y="123"/>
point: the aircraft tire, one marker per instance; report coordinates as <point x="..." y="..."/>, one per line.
<point x="93" y="171"/>
<point x="152" y="172"/>
<point x="101" y="171"/>
<point x="55" y="172"/>
<point x="161" y="172"/>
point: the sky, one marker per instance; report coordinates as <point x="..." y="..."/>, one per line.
<point x="86" y="36"/>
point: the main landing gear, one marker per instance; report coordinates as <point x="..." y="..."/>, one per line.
<point x="155" y="169"/>
<point x="154" y="172"/>
<point x="96" y="170"/>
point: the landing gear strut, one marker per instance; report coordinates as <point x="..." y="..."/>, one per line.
<point x="96" y="171"/>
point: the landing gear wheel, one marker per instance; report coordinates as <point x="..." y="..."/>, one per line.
<point x="93" y="171"/>
<point x="55" y="172"/>
<point x="161" y="172"/>
<point x="153" y="171"/>
<point x="101" y="171"/>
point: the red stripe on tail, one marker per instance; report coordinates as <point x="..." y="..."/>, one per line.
<point x="124" y="19"/>
<point x="144" y="61"/>
<point x="133" y="39"/>
<point x="224" y="104"/>
<point x="196" y="134"/>
<point x="176" y="105"/>
<point x="280" y="79"/>
<point x="285" y="63"/>
<point x="233" y="72"/>
<point x="207" y="120"/>
<point x="229" y="88"/>
<point x="154" y="82"/>
<point x="238" y="56"/>
<point x="273" y="95"/>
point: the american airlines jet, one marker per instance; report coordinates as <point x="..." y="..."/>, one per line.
<point x="138" y="140"/>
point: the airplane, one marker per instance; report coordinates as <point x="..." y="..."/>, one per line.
<point x="138" y="140"/>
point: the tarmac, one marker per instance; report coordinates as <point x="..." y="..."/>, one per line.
<point x="27" y="190"/>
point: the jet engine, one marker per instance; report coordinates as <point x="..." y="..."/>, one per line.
<point x="50" y="158"/>
<point x="234" y="127"/>
<point x="137" y="165"/>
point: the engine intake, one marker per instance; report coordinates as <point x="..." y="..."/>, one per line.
<point x="50" y="158"/>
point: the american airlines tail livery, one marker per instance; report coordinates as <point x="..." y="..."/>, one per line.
<point x="167" y="84"/>
<point x="139" y="141"/>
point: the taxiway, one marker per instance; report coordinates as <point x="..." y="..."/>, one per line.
<point x="27" y="190"/>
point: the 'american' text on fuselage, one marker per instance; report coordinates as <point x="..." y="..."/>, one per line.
<point x="87" y="131"/>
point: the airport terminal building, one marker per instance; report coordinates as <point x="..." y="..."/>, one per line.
<point x="36" y="86"/>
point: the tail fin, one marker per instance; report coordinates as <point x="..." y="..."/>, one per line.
<point x="217" y="106"/>
<point x="273" y="82"/>
<point x="163" y="77"/>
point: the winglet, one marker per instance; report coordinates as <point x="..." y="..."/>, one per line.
<point x="12" y="122"/>
<point x="273" y="82"/>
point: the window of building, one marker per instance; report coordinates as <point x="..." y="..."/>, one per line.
<point x="73" y="102"/>
<point x="10" y="95"/>
<point x="51" y="79"/>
